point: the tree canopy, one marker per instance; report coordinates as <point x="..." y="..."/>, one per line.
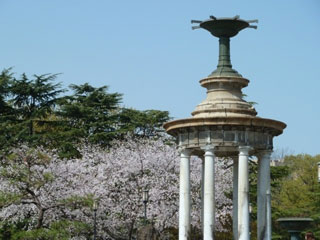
<point x="295" y="192"/>
<point x="34" y="111"/>
<point x="45" y="197"/>
<point x="298" y="194"/>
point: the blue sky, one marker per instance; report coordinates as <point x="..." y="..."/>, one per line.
<point x="147" y="51"/>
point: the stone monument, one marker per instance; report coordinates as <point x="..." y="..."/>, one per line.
<point x="225" y="125"/>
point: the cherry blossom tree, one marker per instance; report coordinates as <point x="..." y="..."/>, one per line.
<point x="35" y="184"/>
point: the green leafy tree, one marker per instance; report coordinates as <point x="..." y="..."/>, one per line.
<point x="299" y="192"/>
<point x="6" y="110"/>
<point x="277" y="174"/>
<point x="33" y="112"/>
<point x="35" y="99"/>
<point x="90" y="113"/>
<point x="5" y="79"/>
<point x="25" y="104"/>
<point x="94" y="114"/>
<point x="143" y="123"/>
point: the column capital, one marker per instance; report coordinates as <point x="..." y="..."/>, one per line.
<point x="264" y="153"/>
<point x="244" y="150"/>
<point x="184" y="152"/>
<point x="209" y="150"/>
<point x="209" y="147"/>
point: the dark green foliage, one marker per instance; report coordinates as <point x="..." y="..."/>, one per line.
<point x="95" y="115"/>
<point x="298" y="193"/>
<point x="143" y="123"/>
<point x="5" y="80"/>
<point x="7" y="230"/>
<point x="295" y="193"/>
<point x="6" y="111"/>
<point x="34" y="99"/>
<point x="25" y="102"/>
<point x="33" y="112"/>
<point x="278" y="173"/>
<point x="60" y="230"/>
<point x="91" y="113"/>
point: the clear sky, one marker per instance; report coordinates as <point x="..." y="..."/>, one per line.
<point x="147" y="51"/>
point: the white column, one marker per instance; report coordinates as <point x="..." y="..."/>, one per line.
<point x="243" y="194"/>
<point x="263" y="196"/>
<point x="209" y="196"/>
<point x="235" y="198"/>
<point x="202" y="192"/>
<point x="185" y="198"/>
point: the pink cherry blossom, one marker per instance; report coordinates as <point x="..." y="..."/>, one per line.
<point x="46" y="189"/>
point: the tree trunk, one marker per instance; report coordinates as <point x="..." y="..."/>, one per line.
<point x="131" y="229"/>
<point x="31" y="128"/>
<point x="147" y="232"/>
<point x="40" y="218"/>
